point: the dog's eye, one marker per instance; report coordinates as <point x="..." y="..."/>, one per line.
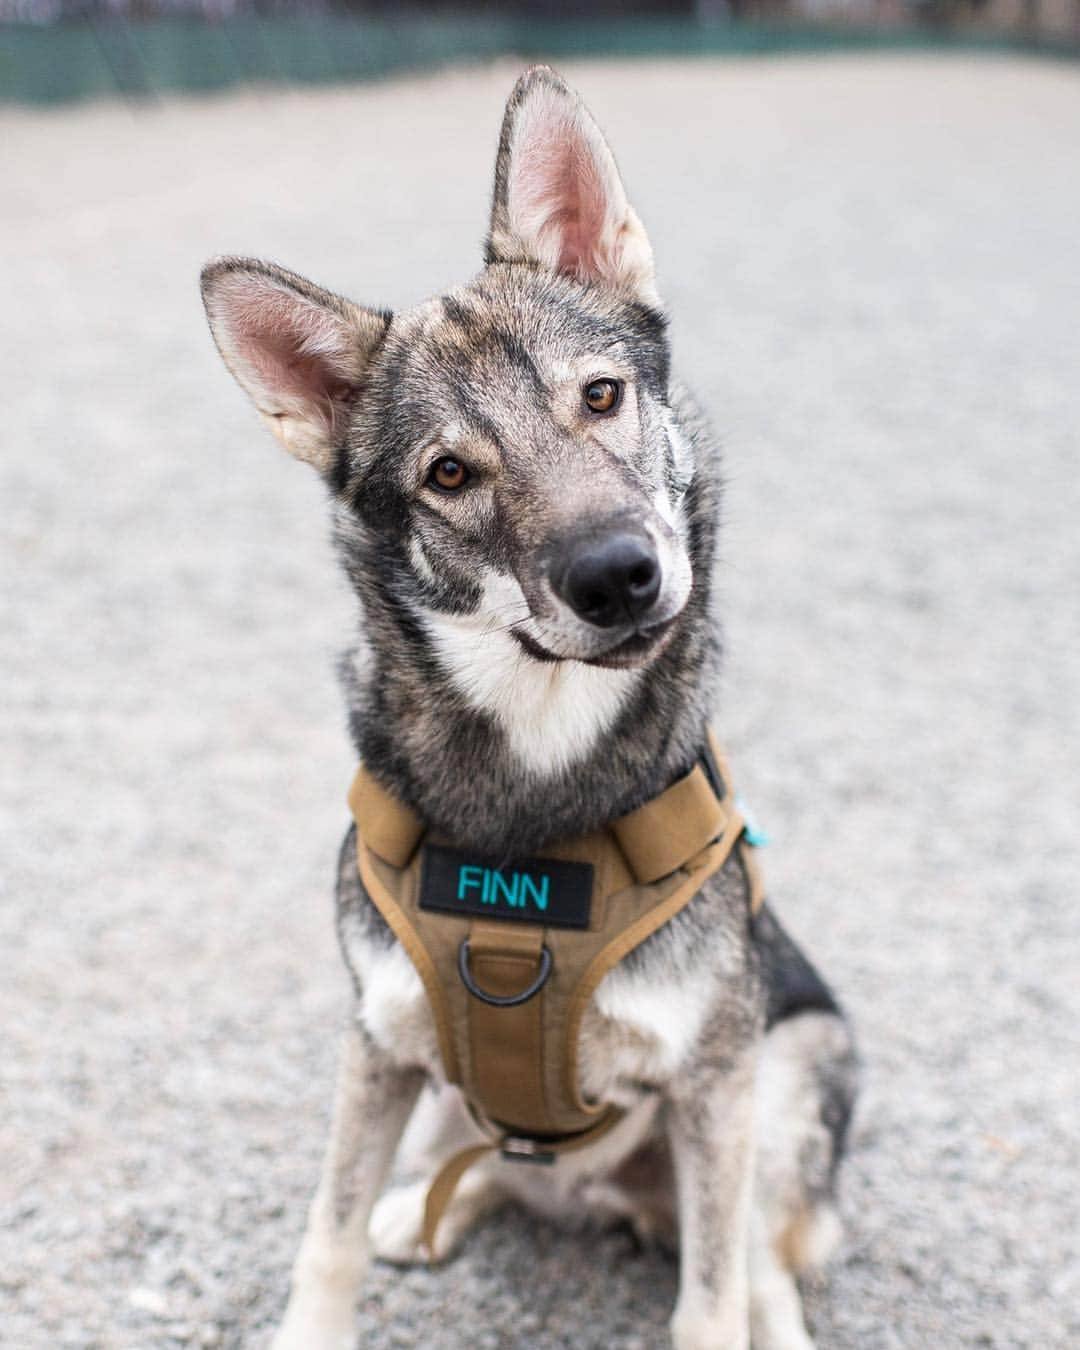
<point x="602" y="396"/>
<point x="448" y="474"/>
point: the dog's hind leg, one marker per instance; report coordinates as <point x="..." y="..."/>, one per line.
<point x="805" y="1089"/>
<point x="373" y="1101"/>
<point x="439" y="1128"/>
<point x="398" y="1218"/>
<point x="776" y="1315"/>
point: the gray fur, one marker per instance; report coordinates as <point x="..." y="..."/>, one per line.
<point x="427" y="370"/>
<point x="489" y="374"/>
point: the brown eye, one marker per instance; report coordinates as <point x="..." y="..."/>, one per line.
<point x="602" y="395"/>
<point x="448" y="474"/>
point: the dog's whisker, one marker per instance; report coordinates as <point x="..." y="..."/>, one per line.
<point x="494" y="630"/>
<point x="493" y="627"/>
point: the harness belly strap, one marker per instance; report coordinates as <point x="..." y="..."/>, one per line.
<point x="511" y="953"/>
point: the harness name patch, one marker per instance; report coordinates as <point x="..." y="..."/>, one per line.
<point x="531" y="890"/>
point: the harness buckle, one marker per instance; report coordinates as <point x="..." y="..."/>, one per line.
<point x="507" y="1000"/>
<point x="516" y="1149"/>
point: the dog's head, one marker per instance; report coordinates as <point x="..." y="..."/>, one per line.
<point x="503" y="457"/>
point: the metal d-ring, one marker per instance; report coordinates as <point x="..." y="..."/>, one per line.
<point x="495" y="1000"/>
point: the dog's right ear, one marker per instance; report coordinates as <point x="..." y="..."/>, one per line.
<point x="300" y="352"/>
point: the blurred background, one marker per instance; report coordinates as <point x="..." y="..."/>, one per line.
<point x="58" y="49"/>
<point x="866" y="219"/>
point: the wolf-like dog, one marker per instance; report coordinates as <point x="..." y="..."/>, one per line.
<point x="527" y="509"/>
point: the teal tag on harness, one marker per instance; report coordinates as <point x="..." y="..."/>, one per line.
<point x="754" y="835"/>
<point x="530" y="890"/>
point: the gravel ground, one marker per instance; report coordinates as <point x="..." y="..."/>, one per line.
<point x="874" y="267"/>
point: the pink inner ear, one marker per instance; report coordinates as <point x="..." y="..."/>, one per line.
<point x="296" y="352"/>
<point x="562" y="193"/>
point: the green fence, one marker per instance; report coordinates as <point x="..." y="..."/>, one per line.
<point x="139" y="60"/>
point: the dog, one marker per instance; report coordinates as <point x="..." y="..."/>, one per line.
<point x="527" y="506"/>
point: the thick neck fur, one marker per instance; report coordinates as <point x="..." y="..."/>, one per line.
<point x="453" y="763"/>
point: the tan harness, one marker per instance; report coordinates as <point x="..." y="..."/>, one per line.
<point x="511" y="952"/>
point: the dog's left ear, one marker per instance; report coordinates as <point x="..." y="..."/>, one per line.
<point x="559" y="200"/>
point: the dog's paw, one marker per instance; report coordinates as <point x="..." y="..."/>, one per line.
<point x="317" y="1322"/>
<point x="396" y="1224"/>
<point x="725" y="1329"/>
<point x="794" y="1338"/>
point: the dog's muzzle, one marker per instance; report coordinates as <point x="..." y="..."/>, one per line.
<point x="609" y="579"/>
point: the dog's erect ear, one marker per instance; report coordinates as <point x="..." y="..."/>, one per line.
<point x="559" y="200"/>
<point x="298" y="351"/>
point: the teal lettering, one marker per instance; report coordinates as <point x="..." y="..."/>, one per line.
<point x="516" y="890"/>
<point x="508" y="888"/>
<point x="539" y="893"/>
<point x="467" y="876"/>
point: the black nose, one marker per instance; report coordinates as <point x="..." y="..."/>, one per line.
<point x="612" y="579"/>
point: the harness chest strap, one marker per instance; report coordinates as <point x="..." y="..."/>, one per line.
<point x="515" y="1057"/>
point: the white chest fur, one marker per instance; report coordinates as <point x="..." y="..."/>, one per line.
<point x="552" y="713"/>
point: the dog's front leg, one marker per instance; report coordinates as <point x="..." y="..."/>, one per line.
<point x="372" y="1104"/>
<point x="712" y="1138"/>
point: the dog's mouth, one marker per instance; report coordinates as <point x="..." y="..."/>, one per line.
<point x="634" y="650"/>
